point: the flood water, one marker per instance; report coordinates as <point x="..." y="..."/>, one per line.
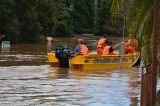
<point x="27" y="80"/>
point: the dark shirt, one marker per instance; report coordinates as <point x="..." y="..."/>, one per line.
<point x="111" y="49"/>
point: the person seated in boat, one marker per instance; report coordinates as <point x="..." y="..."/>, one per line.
<point x="131" y="45"/>
<point x="108" y="49"/>
<point x="101" y="44"/>
<point x="81" y="48"/>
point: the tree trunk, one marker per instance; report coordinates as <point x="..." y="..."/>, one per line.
<point x="149" y="79"/>
<point x="154" y="52"/>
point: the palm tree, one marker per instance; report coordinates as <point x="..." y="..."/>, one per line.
<point x="139" y="15"/>
<point x="138" y="23"/>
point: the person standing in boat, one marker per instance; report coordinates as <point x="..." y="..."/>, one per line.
<point x="101" y="44"/>
<point x="108" y="49"/>
<point x="81" y="48"/>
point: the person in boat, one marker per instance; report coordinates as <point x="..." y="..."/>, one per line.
<point x="108" y="49"/>
<point x="81" y="48"/>
<point x="131" y="45"/>
<point x="101" y="44"/>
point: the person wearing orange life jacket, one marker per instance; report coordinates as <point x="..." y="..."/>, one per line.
<point x="108" y="49"/>
<point x="131" y="45"/>
<point x="101" y="44"/>
<point x="132" y="42"/>
<point x="81" y="48"/>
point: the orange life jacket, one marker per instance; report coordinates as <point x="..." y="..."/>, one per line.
<point x="99" y="50"/>
<point x="101" y="42"/>
<point x="101" y="45"/>
<point x="129" y="49"/>
<point x="84" y="50"/>
<point x="105" y="51"/>
<point x="131" y="46"/>
<point x="132" y="42"/>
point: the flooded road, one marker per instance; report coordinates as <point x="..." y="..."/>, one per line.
<point x="27" y="80"/>
<point x="45" y="86"/>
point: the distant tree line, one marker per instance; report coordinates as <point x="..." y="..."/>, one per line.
<point x="29" y="20"/>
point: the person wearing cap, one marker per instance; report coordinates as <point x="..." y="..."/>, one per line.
<point x="81" y="48"/>
<point x="108" y="49"/>
<point x="101" y="44"/>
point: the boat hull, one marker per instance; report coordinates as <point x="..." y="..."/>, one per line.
<point x="96" y="61"/>
<point x="52" y="60"/>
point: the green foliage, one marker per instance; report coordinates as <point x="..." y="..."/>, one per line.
<point x="8" y="20"/>
<point x="117" y="5"/>
<point x="102" y="16"/>
<point x="83" y="15"/>
<point x="140" y="25"/>
<point x="53" y="17"/>
<point x="146" y="41"/>
<point x="27" y="20"/>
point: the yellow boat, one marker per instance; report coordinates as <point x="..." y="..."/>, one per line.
<point x="96" y="61"/>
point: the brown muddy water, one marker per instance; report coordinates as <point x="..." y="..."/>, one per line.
<point x="27" y="80"/>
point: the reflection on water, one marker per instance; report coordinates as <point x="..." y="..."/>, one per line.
<point x="43" y="85"/>
<point x="49" y="47"/>
<point x="24" y="54"/>
<point x="6" y="50"/>
<point x="26" y="79"/>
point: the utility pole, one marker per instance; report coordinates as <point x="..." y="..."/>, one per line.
<point x="123" y="32"/>
<point x="154" y="52"/>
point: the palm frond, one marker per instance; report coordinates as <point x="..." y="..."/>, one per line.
<point x="138" y="23"/>
<point x="117" y="5"/>
<point x="146" y="41"/>
<point x="139" y="32"/>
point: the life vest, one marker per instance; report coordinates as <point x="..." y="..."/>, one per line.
<point x="101" y="45"/>
<point x="105" y="51"/>
<point x="101" y="42"/>
<point x="129" y="49"/>
<point x="84" y="50"/>
<point x="99" y="50"/>
<point x="132" y="42"/>
<point x="131" y="46"/>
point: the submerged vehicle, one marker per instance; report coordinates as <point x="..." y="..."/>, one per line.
<point x="92" y="60"/>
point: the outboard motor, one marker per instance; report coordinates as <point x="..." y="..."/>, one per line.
<point x="62" y="52"/>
